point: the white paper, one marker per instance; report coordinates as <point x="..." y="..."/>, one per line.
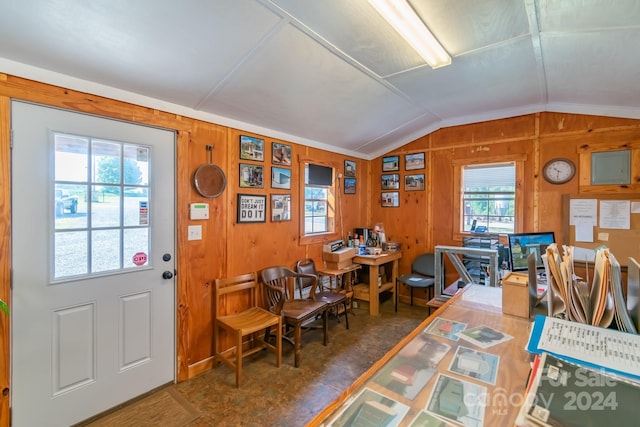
<point x="635" y="207"/>
<point x="584" y="211"/>
<point x="615" y="214"/>
<point x="602" y="347"/>
<point x="583" y="254"/>
<point x="584" y="231"/>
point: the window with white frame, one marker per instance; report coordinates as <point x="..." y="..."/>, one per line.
<point x="489" y="197"/>
<point x="318" y="199"/>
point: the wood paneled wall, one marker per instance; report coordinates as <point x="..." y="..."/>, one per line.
<point x="423" y="219"/>
<point x="426" y="218"/>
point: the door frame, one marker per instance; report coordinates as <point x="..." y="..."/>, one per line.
<point x="57" y="97"/>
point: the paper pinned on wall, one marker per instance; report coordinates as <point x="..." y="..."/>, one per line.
<point x="584" y="231"/>
<point x="584" y="211"/>
<point x="615" y="214"/>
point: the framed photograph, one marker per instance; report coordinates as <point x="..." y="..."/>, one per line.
<point x="280" y="207"/>
<point x="251" y="176"/>
<point x="281" y="178"/>
<point x="390" y="199"/>
<point x="252" y="208"/>
<point x="280" y="154"/>
<point x="391" y="163"/>
<point x="349" y="168"/>
<point x="349" y="186"/>
<point x="414" y="182"/>
<point x="413" y="161"/>
<point x="390" y="181"/>
<point x="251" y="148"/>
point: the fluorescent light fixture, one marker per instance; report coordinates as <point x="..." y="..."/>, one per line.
<point x="404" y="20"/>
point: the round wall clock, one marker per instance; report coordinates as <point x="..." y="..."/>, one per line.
<point x="559" y="170"/>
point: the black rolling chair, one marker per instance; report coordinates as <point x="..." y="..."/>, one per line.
<point x="422" y="275"/>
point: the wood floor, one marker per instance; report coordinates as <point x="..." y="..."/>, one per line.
<point x="284" y="396"/>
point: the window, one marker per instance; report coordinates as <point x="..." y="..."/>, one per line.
<point x="319" y="202"/>
<point x="101" y="200"/>
<point x="488" y="197"/>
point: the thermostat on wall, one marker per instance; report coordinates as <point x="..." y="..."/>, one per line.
<point x="199" y="211"/>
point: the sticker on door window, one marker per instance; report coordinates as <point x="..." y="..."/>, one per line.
<point x="140" y="258"/>
<point x="144" y="213"/>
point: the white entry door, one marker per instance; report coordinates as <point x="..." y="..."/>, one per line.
<point x="93" y="309"/>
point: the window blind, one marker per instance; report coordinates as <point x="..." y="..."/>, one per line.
<point x="487" y="176"/>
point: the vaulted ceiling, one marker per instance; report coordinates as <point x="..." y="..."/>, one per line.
<point x="332" y="73"/>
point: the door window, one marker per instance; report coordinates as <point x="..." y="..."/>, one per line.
<point x="101" y="206"/>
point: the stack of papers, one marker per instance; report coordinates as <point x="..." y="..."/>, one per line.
<point x="598" y="303"/>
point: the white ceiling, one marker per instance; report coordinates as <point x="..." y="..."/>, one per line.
<point x="332" y="73"/>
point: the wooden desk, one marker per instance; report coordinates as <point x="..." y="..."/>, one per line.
<point x="370" y="293"/>
<point x="475" y="306"/>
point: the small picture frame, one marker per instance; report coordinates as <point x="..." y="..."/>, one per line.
<point x="390" y="199"/>
<point x="349" y="169"/>
<point x="280" y="178"/>
<point x="251" y="208"/>
<point x="413" y="161"/>
<point x="251" y="148"/>
<point x="280" y="154"/>
<point x="280" y="207"/>
<point x="349" y="186"/>
<point x="390" y="181"/>
<point x="251" y="176"/>
<point x="414" y="182"/>
<point x="391" y="163"/>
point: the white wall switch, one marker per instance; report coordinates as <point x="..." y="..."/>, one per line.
<point x="195" y="232"/>
<point x="199" y="211"/>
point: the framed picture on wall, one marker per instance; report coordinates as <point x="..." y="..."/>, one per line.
<point x="413" y="161"/>
<point x="280" y="154"/>
<point x="251" y="148"/>
<point x="252" y="208"/>
<point x="390" y="199"/>
<point x="280" y="178"/>
<point x="349" y="168"/>
<point x="280" y="207"/>
<point x="414" y="182"/>
<point x="251" y="176"/>
<point x="349" y="186"/>
<point x="390" y="181"/>
<point x="391" y="163"/>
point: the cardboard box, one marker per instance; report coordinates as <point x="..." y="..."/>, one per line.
<point x="331" y="265"/>
<point x="515" y="295"/>
<point x="344" y="254"/>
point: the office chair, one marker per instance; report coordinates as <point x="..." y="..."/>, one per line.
<point x="422" y="275"/>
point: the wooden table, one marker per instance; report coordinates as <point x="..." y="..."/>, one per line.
<point x="370" y="293"/>
<point x="341" y="284"/>
<point x="334" y="274"/>
<point x="407" y="396"/>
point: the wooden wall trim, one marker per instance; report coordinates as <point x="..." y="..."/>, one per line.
<point x="5" y="257"/>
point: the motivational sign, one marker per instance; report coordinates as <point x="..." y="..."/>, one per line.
<point x="251" y="208"/>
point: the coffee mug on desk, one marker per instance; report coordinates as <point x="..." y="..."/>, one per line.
<point x="362" y="249"/>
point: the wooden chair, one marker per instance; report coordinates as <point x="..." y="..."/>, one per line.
<point x="280" y="299"/>
<point x="333" y="298"/>
<point x="245" y="323"/>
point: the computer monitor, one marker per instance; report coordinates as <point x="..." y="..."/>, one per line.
<point x="521" y="245"/>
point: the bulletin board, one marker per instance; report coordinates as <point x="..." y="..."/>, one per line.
<point x="623" y="243"/>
